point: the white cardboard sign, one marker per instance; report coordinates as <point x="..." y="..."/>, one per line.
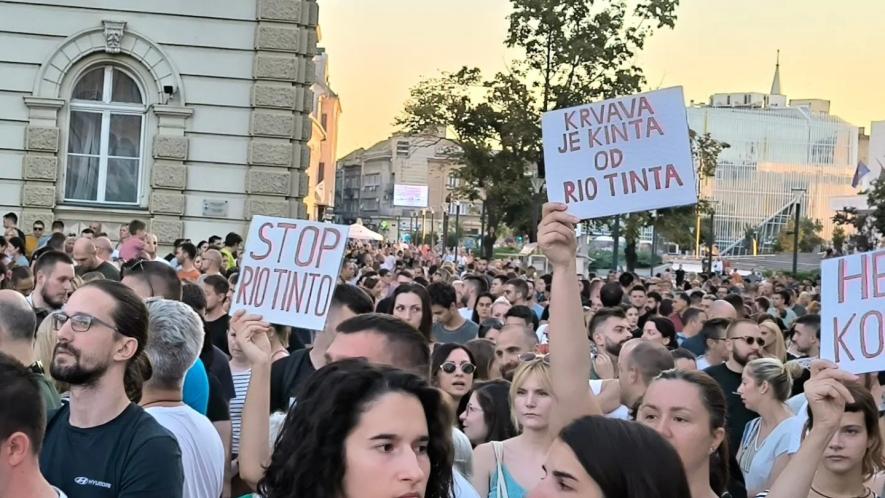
<point x="852" y="331"/>
<point x="621" y="155"/>
<point x="289" y="270"/>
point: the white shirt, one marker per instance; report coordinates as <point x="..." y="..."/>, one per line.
<point x="466" y="313"/>
<point x="757" y="458"/>
<point x="702" y="362"/>
<point x="61" y="494"/>
<point x="202" y="453"/>
<point x="389" y="263"/>
<point x="462" y="488"/>
<point x="621" y="412"/>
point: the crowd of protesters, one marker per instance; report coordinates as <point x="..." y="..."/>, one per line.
<point x="122" y="374"/>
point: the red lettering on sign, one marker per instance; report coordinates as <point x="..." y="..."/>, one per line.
<point x="263" y="237"/>
<point x="863" y="334"/>
<point x="844" y="278"/>
<point x="838" y="337"/>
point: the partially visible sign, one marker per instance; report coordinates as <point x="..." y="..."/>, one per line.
<point x="852" y="331"/>
<point x="289" y="270"/>
<point x="410" y="195"/>
<point x="620" y="155"/>
<point x="215" y="208"/>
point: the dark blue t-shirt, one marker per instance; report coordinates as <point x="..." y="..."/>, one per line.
<point x="132" y="456"/>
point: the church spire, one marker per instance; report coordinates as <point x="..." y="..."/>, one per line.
<point x="776" y="84"/>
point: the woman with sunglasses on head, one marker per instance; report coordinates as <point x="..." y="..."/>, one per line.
<point x="514" y="466"/>
<point x="591" y="457"/>
<point x="842" y="448"/>
<point x="451" y="369"/>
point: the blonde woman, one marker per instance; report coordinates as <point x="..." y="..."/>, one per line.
<point x="770" y="440"/>
<point x="513" y="467"/>
<point x="774" y="341"/>
<point x="44" y="347"/>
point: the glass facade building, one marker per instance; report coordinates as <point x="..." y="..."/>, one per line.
<point x="777" y="157"/>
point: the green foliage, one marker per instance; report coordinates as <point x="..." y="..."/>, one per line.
<point x="838" y="239"/>
<point x="868" y="225"/>
<point x="576" y="51"/>
<point x="809" y="236"/>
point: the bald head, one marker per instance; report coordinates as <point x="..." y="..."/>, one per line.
<point x="721" y="309"/>
<point x="211" y="261"/>
<point x="85" y="254"/>
<point x="104" y="248"/>
<point x="17" y="319"/>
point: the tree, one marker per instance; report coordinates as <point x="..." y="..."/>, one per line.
<point x="676" y="224"/>
<point x="868" y="225"/>
<point x="838" y="239"/>
<point x="576" y="51"/>
<point x="809" y="236"/>
<point x="494" y="129"/>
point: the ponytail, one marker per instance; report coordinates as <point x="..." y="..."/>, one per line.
<point x="138" y="371"/>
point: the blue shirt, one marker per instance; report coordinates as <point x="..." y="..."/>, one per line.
<point x="196" y="387"/>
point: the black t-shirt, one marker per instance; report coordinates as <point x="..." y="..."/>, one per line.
<point x="217" y="331"/>
<point x="799" y="384"/>
<point x="132" y="456"/>
<point x="218" y="409"/>
<point x="738" y="414"/>
<point x="220" y="368"/>
<point x="286" y="377"/>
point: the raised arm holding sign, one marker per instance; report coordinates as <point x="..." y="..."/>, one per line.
<point x="853" y="301"/>
<point x="620" y="155"/>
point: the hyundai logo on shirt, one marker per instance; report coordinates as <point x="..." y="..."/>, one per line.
<point x="85" y="481"/>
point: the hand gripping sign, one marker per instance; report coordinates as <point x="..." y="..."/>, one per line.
<point x="620" y="155"/>
<point x="289" y="270"/>
<point x="852" y="332"/>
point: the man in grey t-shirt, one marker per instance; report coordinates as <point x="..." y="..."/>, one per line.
<point x="448" y="324"/>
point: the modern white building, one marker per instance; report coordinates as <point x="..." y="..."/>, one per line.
<point x="780" y="155"/>
<point x="194" y="115"/>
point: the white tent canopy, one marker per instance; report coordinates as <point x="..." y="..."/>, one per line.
<point x="360" y="232"/>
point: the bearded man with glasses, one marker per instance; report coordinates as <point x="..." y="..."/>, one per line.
<point x="102" y="331"/>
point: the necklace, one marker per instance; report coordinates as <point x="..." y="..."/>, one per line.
<point x="154" y="402"/>
<point x="869" y="491"/>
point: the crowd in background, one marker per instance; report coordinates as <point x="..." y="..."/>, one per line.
<point x="435" y="375"/>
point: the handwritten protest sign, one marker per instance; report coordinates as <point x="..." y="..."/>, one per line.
<point x="621" y="155"/>
<point x="852" y="303"/>
<point x="289" y="270"/>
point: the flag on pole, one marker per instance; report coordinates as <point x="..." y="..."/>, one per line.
<point x="859" y="173"/>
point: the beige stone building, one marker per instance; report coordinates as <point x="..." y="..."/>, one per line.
<point x="364" y="188"/>
<point x="192" y="114"/>
<point x="323" y="142"/>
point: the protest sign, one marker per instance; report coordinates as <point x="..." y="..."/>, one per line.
<point x="852" y="331"/>
<point x="620" y="155"/>
<point x="289" y="270"/>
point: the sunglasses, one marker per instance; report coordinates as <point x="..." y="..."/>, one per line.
<point x="450" y="367"/>
<point x="526" y="357"/>
<point x="751" y="340"/>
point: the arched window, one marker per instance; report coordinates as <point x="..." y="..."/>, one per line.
<point x="105" y="138"/>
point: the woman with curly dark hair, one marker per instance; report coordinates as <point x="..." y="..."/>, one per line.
<point x="361" y="431"/>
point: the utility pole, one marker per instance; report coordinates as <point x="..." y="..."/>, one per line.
<point x="654" y="240"/>
<point x="616" y="239"/>
<point x="710" y="239"/>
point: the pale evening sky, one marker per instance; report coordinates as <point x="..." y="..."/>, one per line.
<point x="833" y="50"/>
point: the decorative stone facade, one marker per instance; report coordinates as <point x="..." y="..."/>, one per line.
<point x="285" y="42"/>
<point x="200" y="131"/>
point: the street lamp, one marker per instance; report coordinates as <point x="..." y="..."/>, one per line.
<point x="797" y="205"/>
<point x="654" y="239"/>
<point x="537" y="185"/>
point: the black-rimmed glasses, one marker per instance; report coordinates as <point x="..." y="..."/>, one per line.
<point x="80" y="322"/>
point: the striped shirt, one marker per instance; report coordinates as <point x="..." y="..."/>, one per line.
<point x="241" y="385"/>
